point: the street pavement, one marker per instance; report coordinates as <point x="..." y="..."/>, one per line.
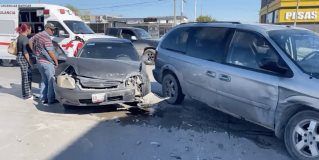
<point x="191" y="131"/>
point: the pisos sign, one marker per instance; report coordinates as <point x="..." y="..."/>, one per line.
<point x="303" y="15"/>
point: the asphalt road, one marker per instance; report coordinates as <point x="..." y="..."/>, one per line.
<point x="191" y="131"/>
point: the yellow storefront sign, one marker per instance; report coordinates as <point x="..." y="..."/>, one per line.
<point x="303" y="15"/>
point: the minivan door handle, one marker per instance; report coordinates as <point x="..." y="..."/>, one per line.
<point x="225" y="77"/>
<point x="211" y="74"/>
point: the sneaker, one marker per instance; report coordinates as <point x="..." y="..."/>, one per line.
<point x="45" y="102"/>
<point x="28" y="98"/>
<point x="36" y="96"/>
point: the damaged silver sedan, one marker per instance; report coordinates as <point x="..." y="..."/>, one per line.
<point x="106" y="71"/>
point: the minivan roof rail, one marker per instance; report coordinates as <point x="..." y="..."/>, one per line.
<point x="232" y="22"/>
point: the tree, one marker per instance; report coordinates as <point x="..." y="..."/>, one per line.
<point x="73" y="9"/>
<point x="85" y="15"/>
<point x="205" y="19"/>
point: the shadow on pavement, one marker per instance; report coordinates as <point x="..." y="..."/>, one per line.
<point x="118" y="139"/>
<point x="16" y="90"/>
<point x="60" y="109"/>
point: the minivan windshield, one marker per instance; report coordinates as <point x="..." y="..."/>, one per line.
<point x="79" y="27"/>
<point x="302" y="46"/>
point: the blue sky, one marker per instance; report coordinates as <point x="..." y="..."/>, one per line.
<point x="224" y="10"/>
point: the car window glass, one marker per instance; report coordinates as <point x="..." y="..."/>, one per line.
<point x="59" y="26"/>
<point x="57" y="49"/>
<point x="113" y="32"/>
<point x="208" y="43"/>
<point x="105" y="50"/>
<point x="127" y="34"/>
<point x="176" y="40"/>
<point x="251" y="51"/>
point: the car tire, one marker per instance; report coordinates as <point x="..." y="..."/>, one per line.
<point x="302" y="136"/>
<point x="172" y="89"/>
<point x="149" y="56"/>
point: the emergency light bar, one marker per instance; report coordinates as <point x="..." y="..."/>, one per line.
<point x="62" y="11"/>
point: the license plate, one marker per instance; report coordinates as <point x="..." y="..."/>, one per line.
<point x="98" y="98"/>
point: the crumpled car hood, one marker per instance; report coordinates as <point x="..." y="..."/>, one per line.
<point x="106" y="69"/>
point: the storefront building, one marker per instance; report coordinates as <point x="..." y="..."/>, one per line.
<point x="285" y="12"/>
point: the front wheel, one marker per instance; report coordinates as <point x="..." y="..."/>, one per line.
<point x="172" y="89"/>
<point x="302" y="136"/>
<point x="149" y="57"/>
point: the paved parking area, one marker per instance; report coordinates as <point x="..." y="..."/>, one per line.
<point x="191" y="131"/>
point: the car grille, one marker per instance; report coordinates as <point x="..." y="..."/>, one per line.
<point x="98" y="84"/>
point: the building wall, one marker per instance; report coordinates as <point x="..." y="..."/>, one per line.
<point x="265" y="2"/>
<point x="284" y="12"/>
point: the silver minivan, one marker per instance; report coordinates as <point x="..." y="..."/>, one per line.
<point x="266" y="74"/>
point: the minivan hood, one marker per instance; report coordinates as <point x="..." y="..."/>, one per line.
<point x="107" y="69"/>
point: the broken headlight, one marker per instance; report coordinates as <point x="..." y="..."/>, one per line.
<point x="136" y="83"/>
<point x="66" y="79"/>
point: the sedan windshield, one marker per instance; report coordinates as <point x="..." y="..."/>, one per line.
<point x="109" y="50"/>
<point x="143" y="34"/>
<point x="302" y="46"/>
<point x="79" y="27"/>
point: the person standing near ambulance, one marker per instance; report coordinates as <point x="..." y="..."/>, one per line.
<point x="43" y="49"/>
<point x="23" y="59"/>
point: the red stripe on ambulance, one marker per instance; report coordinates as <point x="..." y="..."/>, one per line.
<point x="4" y="43"/>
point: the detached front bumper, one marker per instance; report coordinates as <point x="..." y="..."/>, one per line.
<point x="83" y="97"/>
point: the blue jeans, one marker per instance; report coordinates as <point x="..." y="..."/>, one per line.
<point x="47" y="72"/>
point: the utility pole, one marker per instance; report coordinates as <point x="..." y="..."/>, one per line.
<point x="174" y="12"/>
<point x="201" y="8"/>
<point x="182" y="10"/>
<point x="296" y="15"/>
<point x="195" y="11"/>
<point x="267" y="11"/>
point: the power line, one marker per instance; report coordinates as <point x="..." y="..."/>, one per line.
<point x="123" y="5"/>
<point x="174" y="12"/>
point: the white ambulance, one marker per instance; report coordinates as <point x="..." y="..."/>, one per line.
<point x="68" y="25"/>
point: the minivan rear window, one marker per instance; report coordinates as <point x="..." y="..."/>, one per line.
<point x="208" y="43"/>
<point x="176" y="40"/>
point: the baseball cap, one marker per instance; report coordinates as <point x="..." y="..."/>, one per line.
<point x="49" y="25"/>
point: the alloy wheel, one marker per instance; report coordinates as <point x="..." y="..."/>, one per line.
<point x="306" y="138"/>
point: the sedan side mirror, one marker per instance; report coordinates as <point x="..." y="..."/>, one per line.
<point x="133" y="38"/>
